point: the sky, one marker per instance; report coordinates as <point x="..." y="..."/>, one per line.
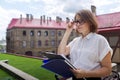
<point x="51" y="8"/>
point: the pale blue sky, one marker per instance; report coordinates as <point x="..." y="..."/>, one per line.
<point x="64" y="8"/>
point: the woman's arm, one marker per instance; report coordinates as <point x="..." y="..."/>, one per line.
<point x="103" y="71"/>
<point x="62" y="48"/>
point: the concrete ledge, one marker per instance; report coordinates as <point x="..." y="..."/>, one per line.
<point x="22" y="75"/>
<point x="4" y="61"/>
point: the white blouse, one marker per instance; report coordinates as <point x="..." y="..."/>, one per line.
<point x="87" y="53"/>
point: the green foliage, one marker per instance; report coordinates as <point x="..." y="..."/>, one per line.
<point x="28" y="65"/>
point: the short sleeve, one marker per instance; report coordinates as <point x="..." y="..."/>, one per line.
<point x="104" y="48"/>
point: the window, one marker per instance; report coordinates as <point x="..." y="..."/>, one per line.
<point x="39" y="43"/>
<point x="31" y="33"/>
<point x="52" y="33"/>
<point x="59" y="33"/>
<point x="46" y="42"/>
<point x="24" y="44"/>
<point x="53" y="42"/>
<point x="46" y="33"/>
<point x="39" y="33"/>
<point x="32" y="44"/>
<point x="24" y="33"/>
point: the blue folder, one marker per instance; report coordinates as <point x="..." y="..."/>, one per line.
<point x="58" y="66"/>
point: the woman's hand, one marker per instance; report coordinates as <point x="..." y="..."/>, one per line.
<point x="70" y="26"/>
<point x="79" y="73"/>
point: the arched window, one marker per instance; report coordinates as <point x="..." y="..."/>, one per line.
<point x="46" y="42"/>
<point x="59" y="33"/>
<point x="24" y="44"/>
<point x="39" y="33"/>
<point x="31" y="44"/>
<point x="24" y="33"/>
<point x="31" y="33"/>
<point x="39" y="43"/>
<point x="52" y="33"/>
<point x="53" y="42"/>
<point x="46" y="33"/>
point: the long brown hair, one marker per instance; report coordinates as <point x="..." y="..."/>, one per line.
<point x="88" y="17"/>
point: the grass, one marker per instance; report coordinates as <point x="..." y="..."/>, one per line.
<point x="28" y="65"/>
<point x="5" y="76"/>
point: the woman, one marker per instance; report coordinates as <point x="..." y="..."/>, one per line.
<point x="90" y="53"/>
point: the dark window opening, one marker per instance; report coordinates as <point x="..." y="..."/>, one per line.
<point x="32" y="33"/>
<point x="24" y="33"/>
<point x="46" y="33"/>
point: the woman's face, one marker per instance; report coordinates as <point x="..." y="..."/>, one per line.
<point x="82" y="27"/>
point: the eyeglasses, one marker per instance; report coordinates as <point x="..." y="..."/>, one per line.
<point x="80" y="22"/>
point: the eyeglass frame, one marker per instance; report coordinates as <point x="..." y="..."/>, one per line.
<point x="80" y="21"/>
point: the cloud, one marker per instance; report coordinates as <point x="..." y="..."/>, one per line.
<point x="100" y="3"/>
<point x="75" y="5"/>
<point x="65" y="8"/>
<point x="16" y="1"/>
<point x="53" y="8"/>
<point x="115" y="9"/>
<point x="5" y="17"/>
<point x="106" y="6"/>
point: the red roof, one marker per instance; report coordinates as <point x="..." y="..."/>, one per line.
<point x="106" y="22"/>
<point x="12" y="23"/>
<point x="35" y="23"/>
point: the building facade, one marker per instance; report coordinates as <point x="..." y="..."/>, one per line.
<point x="32" y="37"/>
<point x="109" y="26"/>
